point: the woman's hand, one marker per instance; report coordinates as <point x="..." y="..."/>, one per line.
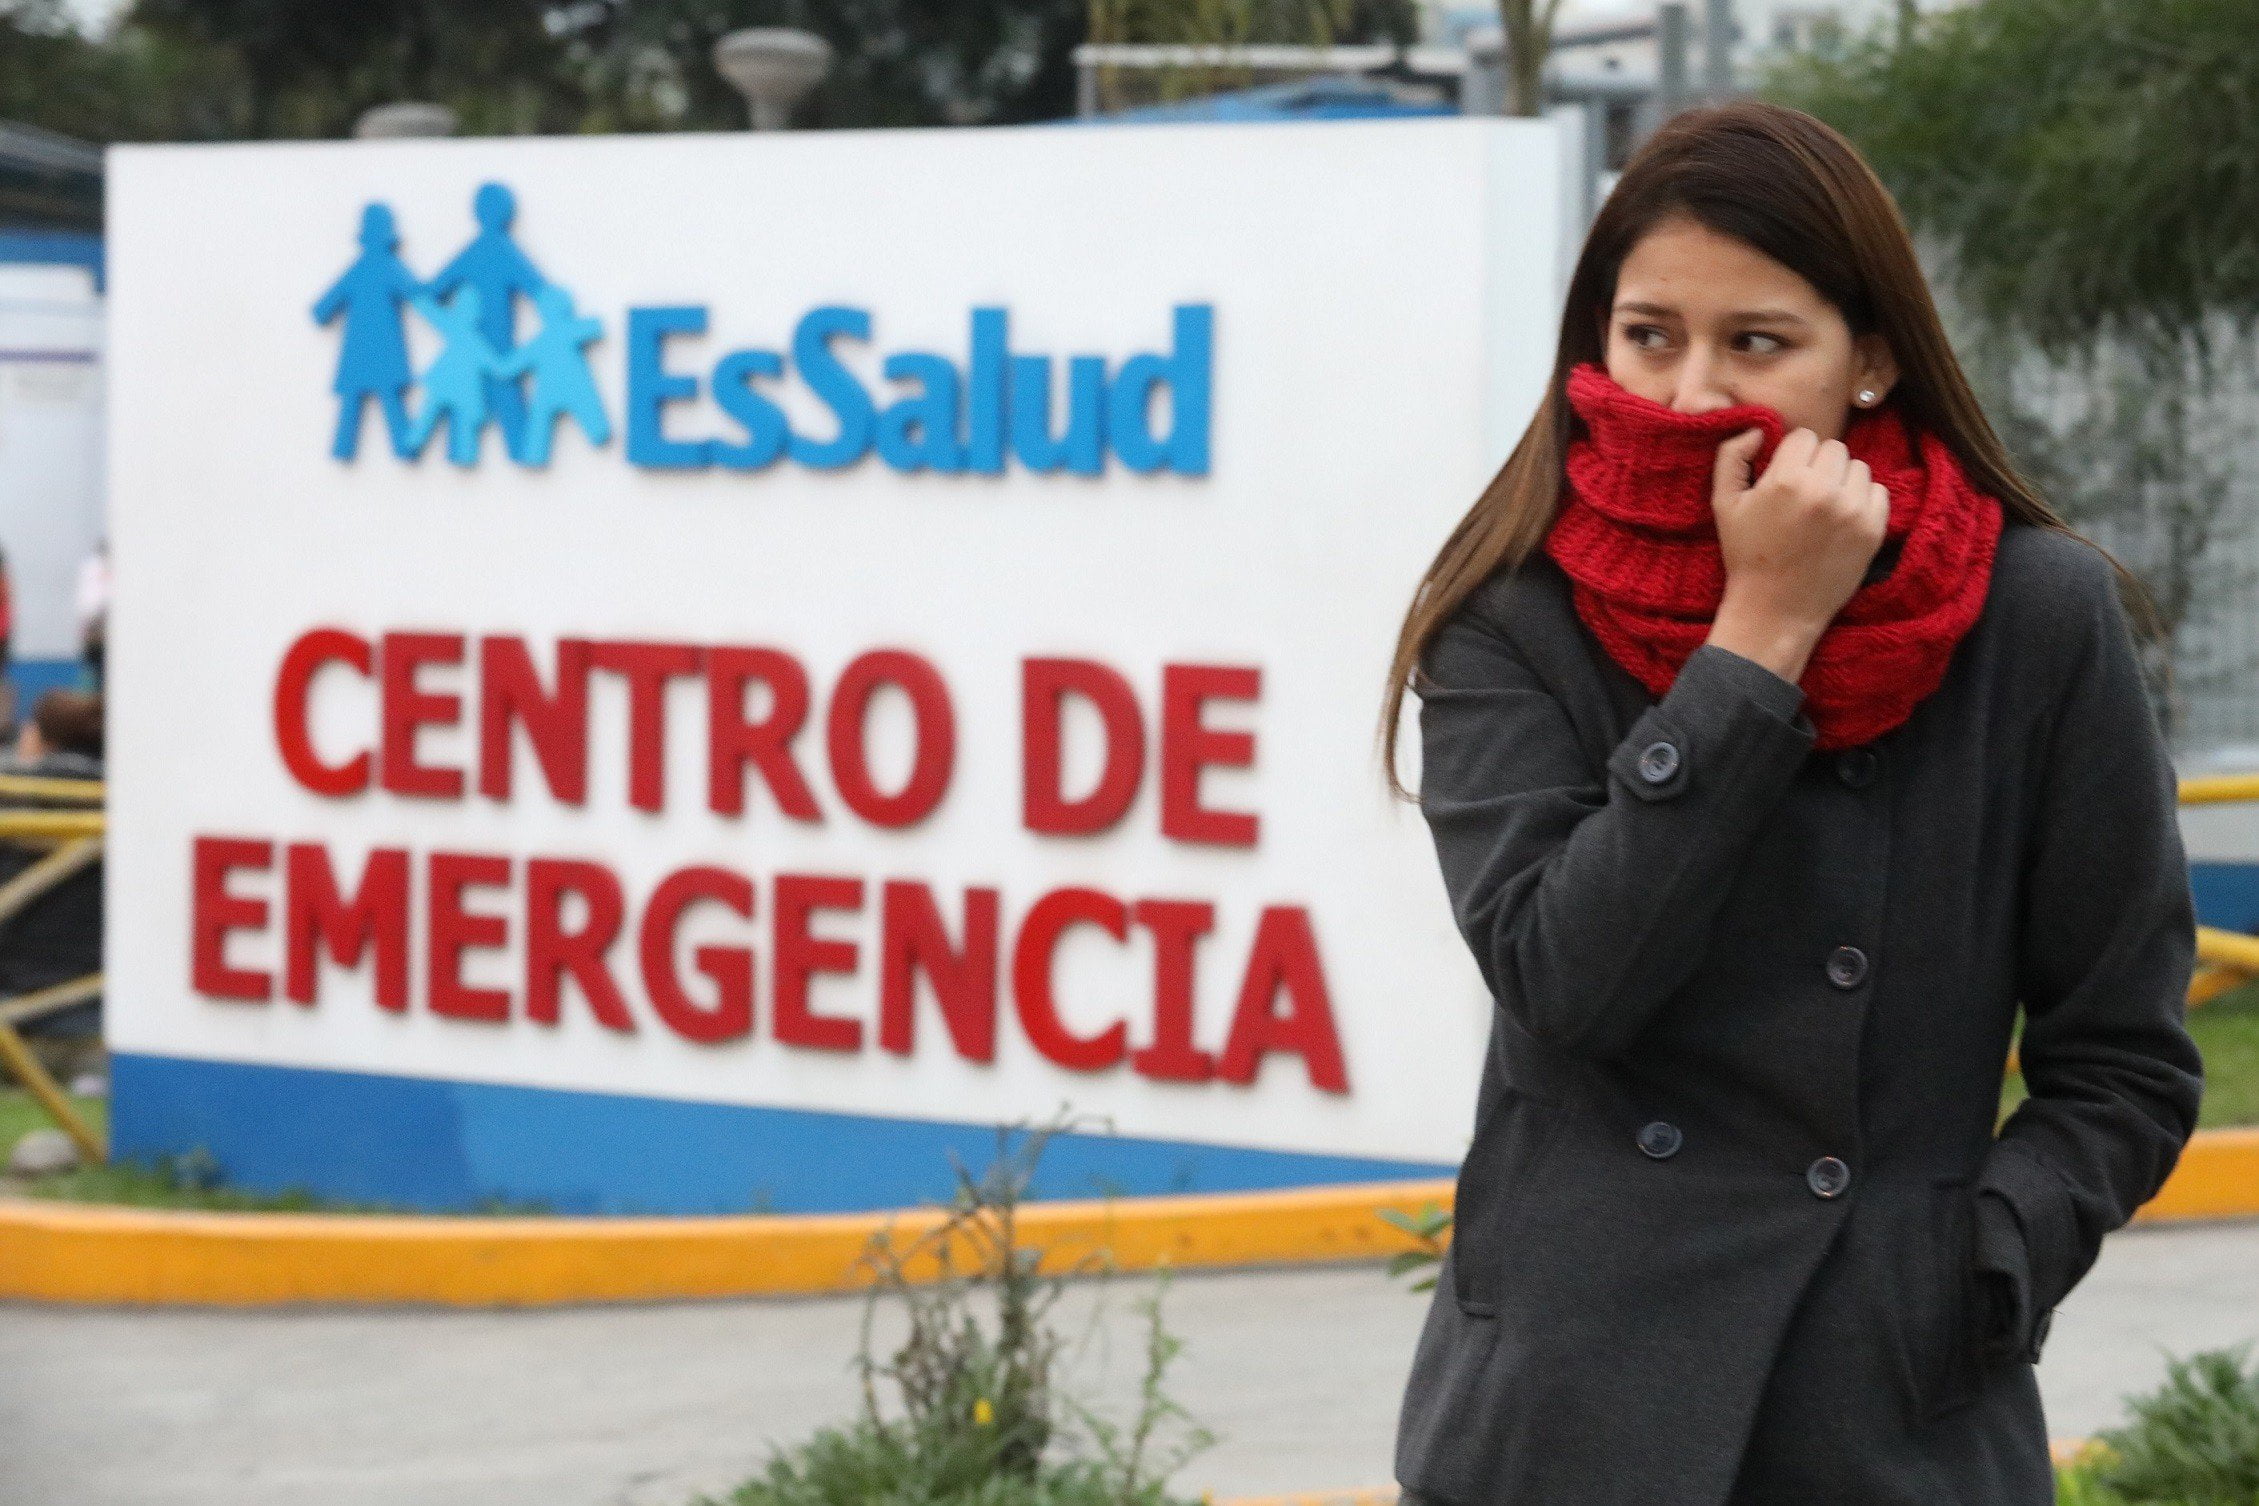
<point x="1795" y="542"/>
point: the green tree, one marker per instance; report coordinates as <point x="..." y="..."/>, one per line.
<point x="649" y="63"/>
<point x="2082" y="176"/>
<point x="219" y="69"/>
<point x="1528" y="25"/>
<point x="295" y="70"/>
<point x="2089" y="165"/>
<point x="128" y="86"/>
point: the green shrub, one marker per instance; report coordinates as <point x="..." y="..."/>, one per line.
<point x="2076" y="1485"/>
<point x="980" y="1421"/>
<point x="2192" y="1442"/>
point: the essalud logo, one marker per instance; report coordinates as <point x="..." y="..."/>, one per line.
<point x="481" y="372"/>
<point x="957" y="419"/>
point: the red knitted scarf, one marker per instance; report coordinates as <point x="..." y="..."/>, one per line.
<point x="1639" y="541"/>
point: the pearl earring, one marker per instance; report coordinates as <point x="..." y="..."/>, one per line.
<point x="1866" y="395"/>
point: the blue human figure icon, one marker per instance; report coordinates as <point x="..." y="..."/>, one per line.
<point x="372" y="358"/>
<point x="458" y="381"/>
<point x="494" y="266"/>
<point x="557" y="357"/>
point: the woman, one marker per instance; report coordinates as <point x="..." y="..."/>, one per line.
<point x="1777" y="742"/>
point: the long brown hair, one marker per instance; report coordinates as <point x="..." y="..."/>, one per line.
<point x="1793" y="188"/>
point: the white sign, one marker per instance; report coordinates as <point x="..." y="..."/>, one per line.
<point x="881" y="622"/>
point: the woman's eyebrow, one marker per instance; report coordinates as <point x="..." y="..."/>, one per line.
<point x="1739" y="316"/>
<point x="1769" y="316"/>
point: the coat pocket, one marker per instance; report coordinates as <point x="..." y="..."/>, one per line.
<point x="1937" y="1313"/>
<point x="1491" y="1201"/>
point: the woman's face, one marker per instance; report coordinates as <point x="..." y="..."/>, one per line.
<point x="1703" y="321"/>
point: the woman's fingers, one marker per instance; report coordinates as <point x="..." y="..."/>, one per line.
<point x="1795" y="452"/>
<point x="1856" y="479"/>
<point x="1831" y="462"/>
<point x="1730" y="476"/>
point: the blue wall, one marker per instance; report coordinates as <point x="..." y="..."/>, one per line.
<point x="2227" y="894"/>
<point x="74" y="248"/>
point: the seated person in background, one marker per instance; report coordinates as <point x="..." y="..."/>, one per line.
<point x="63" y="739"/>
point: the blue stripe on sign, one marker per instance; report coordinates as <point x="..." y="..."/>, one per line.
<point x="448" y="1146"/>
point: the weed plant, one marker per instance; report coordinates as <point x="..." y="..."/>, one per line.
<point x="982" y="1419"/>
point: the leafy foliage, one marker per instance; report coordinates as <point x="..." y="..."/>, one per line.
<point x="981" y="1421"/>
<point x="1431" y="1226"/>
<point x="219" y="69"/>
<point x="647" y="64"/>
<point x="222" y="69"/>
<point x="2192" y="1442"/>
<point x="2079" y="174"/>
<point x="2087" y="162"/>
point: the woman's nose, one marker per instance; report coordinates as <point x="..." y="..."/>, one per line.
<point x="1698" y="389"/>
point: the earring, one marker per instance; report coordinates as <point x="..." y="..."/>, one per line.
<point x="1866" y="396"/>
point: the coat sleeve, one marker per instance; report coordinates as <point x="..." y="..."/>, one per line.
<point x="1588" y="894"/>
<point x="2106" y="945"/>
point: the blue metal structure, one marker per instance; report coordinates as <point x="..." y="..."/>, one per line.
<point x="1329" y="97"/>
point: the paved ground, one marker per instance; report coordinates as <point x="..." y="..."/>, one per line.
<point x="647" y="1406"/>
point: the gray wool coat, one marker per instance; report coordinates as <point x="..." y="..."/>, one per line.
<point x="1734" y="1171"/>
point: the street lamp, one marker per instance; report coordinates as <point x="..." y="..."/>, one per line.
<point x="774" y="67"/>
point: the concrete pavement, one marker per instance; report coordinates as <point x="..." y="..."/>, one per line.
<point x="1300" y="1370"/>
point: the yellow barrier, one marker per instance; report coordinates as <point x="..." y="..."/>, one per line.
<point x="2219" y="789"/>
<point x="43" y="827"/>
<point x="2229" y="948"/>
<point x="73" y="856"/>
<point x="39" y="787"/>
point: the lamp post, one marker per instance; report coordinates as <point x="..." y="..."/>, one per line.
<point x="406" y="117"/>
<point x="774" y="67"/>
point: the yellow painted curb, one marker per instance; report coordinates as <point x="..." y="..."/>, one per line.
<point x="2217" y="1177"/>
<point x="65" y="1252"/>
<point x="69" y="1252"/>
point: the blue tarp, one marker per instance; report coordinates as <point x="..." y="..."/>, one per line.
<point x="53" y="247"/>
<point x="1328" y="98"/>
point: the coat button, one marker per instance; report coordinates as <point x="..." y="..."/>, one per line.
<point x="1658" y="761"/>
<point x="1659" y="1138"/>
<point x="1856" y="766"/>
<point x="1827" y="1176"/>
<point x="1846" y="966"/>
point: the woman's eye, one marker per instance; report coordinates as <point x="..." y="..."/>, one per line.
<point x="1762" y="344"/>
<point x="1646" y="336"/>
